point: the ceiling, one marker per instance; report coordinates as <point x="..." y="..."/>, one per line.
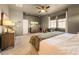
<point x="32" y="10"/>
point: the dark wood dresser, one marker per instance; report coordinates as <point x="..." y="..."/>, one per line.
<point x="6" y="40"/>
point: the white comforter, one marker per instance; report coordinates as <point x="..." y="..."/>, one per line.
<point x="64" y="44"/>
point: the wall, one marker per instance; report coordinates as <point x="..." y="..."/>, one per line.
<point x="17" y="16"/>
<point x="44" y="22"/>
<point x="31" y="18"/>
<point x="73" y="19"/>
<point x="5" y="9"/>
<point x="14" y="15"/>
<point x="44" y="19"/>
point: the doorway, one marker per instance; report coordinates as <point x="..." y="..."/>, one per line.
<point x="25" y="26"/>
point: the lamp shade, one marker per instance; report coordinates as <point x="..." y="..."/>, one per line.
<point x="8" y="23"/>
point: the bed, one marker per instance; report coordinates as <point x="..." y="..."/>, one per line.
<point x="35" y="39"/>
<point x="64" y="44"/>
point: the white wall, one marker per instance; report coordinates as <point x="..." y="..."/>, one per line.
<point x="17" y="17"/>
<point x="4" y="8"/>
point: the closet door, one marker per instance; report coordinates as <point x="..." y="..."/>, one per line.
<point x="25" y="26"/>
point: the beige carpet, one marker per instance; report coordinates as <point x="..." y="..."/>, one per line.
<point x="22" y="47"/>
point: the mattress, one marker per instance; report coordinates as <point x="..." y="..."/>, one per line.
<point x="59" y="45"/>
<point x="35" y="39"/>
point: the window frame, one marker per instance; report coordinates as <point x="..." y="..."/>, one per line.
<point x="50" y="22"/>
<point x="61" y="21"/>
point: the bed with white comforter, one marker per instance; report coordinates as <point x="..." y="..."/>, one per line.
<point x="64" y="44"/>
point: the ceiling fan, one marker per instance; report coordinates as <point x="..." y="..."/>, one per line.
<point x="43" y="8"/>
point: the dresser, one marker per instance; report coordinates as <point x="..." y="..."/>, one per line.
<point x="6" y="40"/>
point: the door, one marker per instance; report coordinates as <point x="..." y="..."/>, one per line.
<point x="25" y="26"/>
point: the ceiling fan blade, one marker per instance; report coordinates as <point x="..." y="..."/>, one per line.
<point x="42" y="7"/>
<point x="38" y="7"/>
<point x="48" y="7"/>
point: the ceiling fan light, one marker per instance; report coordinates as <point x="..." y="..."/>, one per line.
<point x="42" y="10"/>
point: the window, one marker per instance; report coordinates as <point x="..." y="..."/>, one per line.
<point x="62" y="23"/>
<point x="58" y="21"/>
<point x="52" y="23"/>
<point x="33" y="23"/>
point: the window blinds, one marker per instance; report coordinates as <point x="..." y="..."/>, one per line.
<point x="61" y="16"/>
<point x="53" y="18"/>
